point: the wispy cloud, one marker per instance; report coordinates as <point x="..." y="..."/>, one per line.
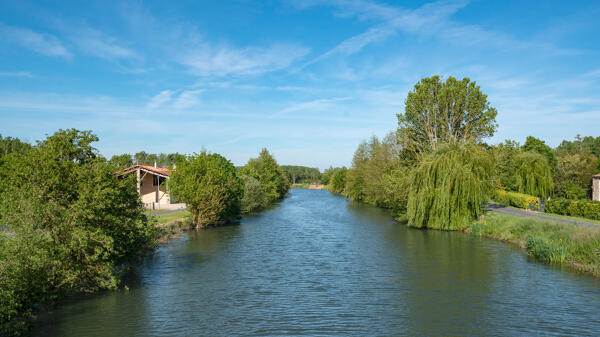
<point x="171" y="101"/>
<point x="42" y="43"/>
<point x="160" y="99"/>
<point x="96" y="43"/>
<point x="207" y="60"/>
<point x="432" y="20"/>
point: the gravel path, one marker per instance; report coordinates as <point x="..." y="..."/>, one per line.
<point x="531" y="214"/>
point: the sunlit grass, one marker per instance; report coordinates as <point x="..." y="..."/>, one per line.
<point x="547" y="240"/>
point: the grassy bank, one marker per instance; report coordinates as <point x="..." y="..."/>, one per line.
<point x="170" y="225"/>
<point x="549" y="241"/>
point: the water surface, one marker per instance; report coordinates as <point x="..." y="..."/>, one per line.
<point x="319" y="265"/>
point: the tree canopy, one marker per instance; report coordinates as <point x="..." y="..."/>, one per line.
<point x="208" y="184"/>
<point x="448" y="111"/>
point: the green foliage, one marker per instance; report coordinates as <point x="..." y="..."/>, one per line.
<point x="338" y="181"/>
<point x="450" y="187"/>
<point x="272" y="178"/>
<point x="504" y="164"/>
<point x="586" y="146"/>
<point x="533" y="144"/>
<point x="301" y="174"/>
<point x="573" y="175"/>
<point x="254" y="198"/>
<point x="208" y="184"/>
<point x="70" y="223"/>
<point x="580" y="208"/>
<point x="162" y="159"/>
<point x="554" y="252"/>
<point x="533" y="174"/>
<point x="518" y="200"/>
<point x="326" y="176"/>
<point x="444" y="112"/>
<point x="10" y="145"/>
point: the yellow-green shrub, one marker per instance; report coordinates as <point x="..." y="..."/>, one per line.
<point x="518" y="200"/>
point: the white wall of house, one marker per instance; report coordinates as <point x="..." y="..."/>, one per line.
<point x="596" y="188"/>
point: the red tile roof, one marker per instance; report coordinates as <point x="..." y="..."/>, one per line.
<point x="596" y="176"/>
<point x="164" y="171"/>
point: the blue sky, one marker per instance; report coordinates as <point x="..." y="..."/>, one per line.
<point x="307" y="79"/>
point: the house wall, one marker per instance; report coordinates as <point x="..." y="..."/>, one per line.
<point x="596" y="189"/>
<point x="150" y="194"/>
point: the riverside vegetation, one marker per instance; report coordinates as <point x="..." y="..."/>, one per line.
<point x="68" y="225"/>
<point x="435" y="171"/>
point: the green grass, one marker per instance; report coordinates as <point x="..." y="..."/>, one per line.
<point x="574" y="218"/>
<point x="553" y="242"/>
<point x="154" y="211"/>
<point x="163" y="219"/>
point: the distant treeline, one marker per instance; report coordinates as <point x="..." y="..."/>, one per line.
<point x="302" y="174"/>
<point x="125" y="160"/>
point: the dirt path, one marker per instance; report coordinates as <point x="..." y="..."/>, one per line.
<point x="531" y="214"/>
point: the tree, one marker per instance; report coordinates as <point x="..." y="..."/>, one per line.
<point x="121" y="161"/>
<point x="450" y="187"/>
<point x="272" y="178"/>
<point x="444" y="112"/>
<point x="10" y="145"/>
<point x="208" y="184"/>
<point x="533" y="144"/>
<point x="504" y="164"/>
<point x="72" y="222"/>
<point x="533" y="174"/>
<point x="573" y="175"/>
<point x="338" y="180"/>
<point x="254" y="198"/>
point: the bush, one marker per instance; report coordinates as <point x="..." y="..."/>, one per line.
<point x="545" y="250"/>
<point x="581" y="208"/>
<point x="518" y="200"/>
<point x="208" y="184"/>
<point x="254" y="198"/>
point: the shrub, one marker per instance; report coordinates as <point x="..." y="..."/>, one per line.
<point x="518" y="200"/>
<point x="549" y="251"/>
<point x="581" y="208"/>
<point x="254" y="198"/>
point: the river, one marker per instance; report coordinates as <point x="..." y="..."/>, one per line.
<point x="318" y="264"/>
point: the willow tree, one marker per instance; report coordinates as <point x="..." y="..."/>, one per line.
<point x="533" y="174"/>
<point x="444" y="112"/>
<point x="449" y="187"/>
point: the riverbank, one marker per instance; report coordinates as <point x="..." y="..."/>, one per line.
<point x="550" y="241"/>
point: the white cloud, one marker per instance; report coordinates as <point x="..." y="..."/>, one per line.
<point x="160" y="99"/>
<point x="95" y="43"/>
<point x="45" y="44"/>
<point x="431" y="20"/>
<point x="221" y="61"/>
<point x="187" y="99"/>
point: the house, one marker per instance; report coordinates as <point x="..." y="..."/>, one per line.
<point x="596" y="187"/>
<point x="152" y="186"/>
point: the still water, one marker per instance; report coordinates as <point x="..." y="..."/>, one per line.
<point x="319" y="265"/>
